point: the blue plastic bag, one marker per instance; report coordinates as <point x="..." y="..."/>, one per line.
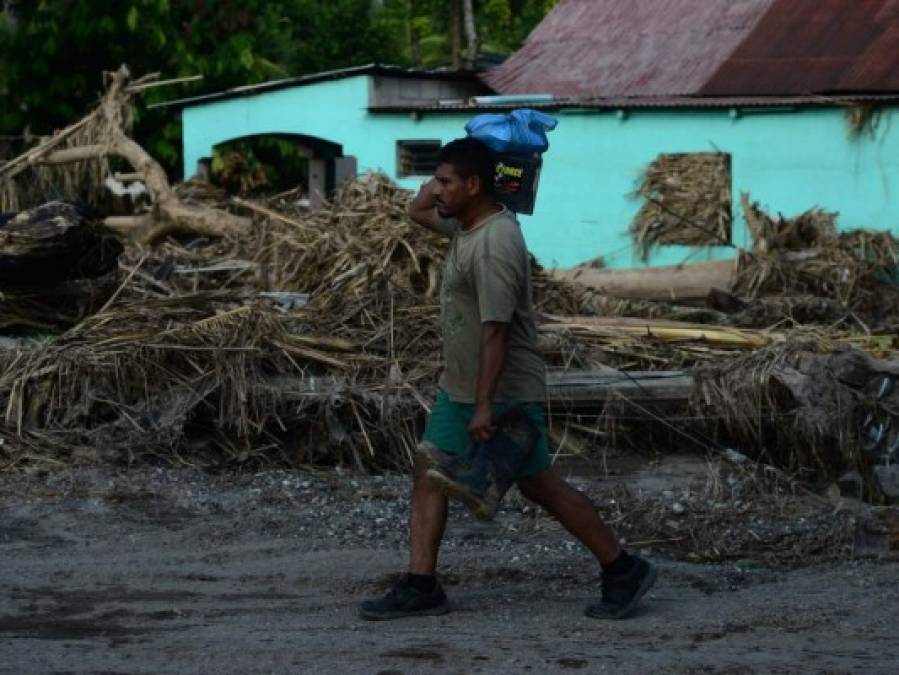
<point x="521" y="131"/>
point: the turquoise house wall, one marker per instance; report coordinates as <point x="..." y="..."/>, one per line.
<point x="788" y="160"/>
<point x="333" y="110"/>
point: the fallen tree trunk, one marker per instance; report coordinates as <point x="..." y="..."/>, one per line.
<point x="52" y="243"/>
<point x="680" y="283"/>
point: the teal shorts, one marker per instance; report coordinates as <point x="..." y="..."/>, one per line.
<point x="447" y="430"/>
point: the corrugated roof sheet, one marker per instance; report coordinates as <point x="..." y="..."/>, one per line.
<point x="815" y="46"/>
<point x="652" y="48"/>
<point x="313" y="78"/>
<point x="591" y="48"/>
<point x="740" y="103"/>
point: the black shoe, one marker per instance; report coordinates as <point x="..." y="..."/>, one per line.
<point x="622" y="592"/>
<point x="405" y="600"/>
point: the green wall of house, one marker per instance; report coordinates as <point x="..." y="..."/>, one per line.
<point x="787" y="159"/>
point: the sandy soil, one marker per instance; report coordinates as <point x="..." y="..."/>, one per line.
<point x="175" y="571"/>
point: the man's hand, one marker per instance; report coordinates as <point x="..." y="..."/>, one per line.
<point x="423" y="209"/>
<point x="425" y="198"/>
<point x="481" y="427"/>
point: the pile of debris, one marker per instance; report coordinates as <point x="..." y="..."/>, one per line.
<point x="310" y="339"/>
<point x="813" y="392"/>
<point x="277" y="335"/>
<point x="299" y="343"/>
<point x="811" y="412"/>
<point x="804" y="269"/>
<point x="202" y="377"/>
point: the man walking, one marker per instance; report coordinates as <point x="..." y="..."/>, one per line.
<point x="490" y="363"/>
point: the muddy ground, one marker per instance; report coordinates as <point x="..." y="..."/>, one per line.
<point x="151" y="570"/>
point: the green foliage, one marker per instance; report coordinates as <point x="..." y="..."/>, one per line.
<point x="260" y="163"/>
<point x="502" y="26"/>
<point x="52" y="52"/>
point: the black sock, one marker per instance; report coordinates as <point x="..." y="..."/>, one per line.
<point x="621" y="565"/>
<point x="422" y="582"/>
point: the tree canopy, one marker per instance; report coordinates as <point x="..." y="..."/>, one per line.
<point x="53" y="51"/>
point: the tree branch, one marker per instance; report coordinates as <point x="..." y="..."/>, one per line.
<point x="76" y="154"/>
<point x="169" y="214"/>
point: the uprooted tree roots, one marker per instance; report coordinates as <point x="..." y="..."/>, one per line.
<point x="84" y="149"/>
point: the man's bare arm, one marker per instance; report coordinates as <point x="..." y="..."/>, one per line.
<point x="423" y="209"/>
<point x="494" y="347"/>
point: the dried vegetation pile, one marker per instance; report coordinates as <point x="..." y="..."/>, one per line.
<point x="312" y="338"/>
<point x="817" y="313"/>
<point x="803" y="267"/>
<point x="687" y="201"/>
<point x="309" y="338"/>
<point x="298" y="342"/>
<point x="803" y="407"/>
<point x="262" y="333"/>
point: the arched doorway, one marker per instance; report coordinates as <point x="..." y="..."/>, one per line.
<point x="278" y="162"/>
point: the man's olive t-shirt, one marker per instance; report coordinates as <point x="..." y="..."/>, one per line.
<point x="487" y="277"/>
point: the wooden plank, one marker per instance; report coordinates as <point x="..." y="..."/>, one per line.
<point x="578" y="387"/>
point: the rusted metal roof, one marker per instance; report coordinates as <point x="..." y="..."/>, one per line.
<point x="815" y="46"/>
<point x="672" y="48"/>
<point x="593" y="48"/>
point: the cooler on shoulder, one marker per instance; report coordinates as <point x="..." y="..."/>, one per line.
<point x="518" y="140"/>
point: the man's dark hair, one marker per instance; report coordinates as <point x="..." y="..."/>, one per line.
<point x="470" y="157"/>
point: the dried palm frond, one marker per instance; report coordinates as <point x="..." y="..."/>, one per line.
<point x="805" y="256"/>
<point x="311" y="339"/>
<point x="688" y="201"/>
